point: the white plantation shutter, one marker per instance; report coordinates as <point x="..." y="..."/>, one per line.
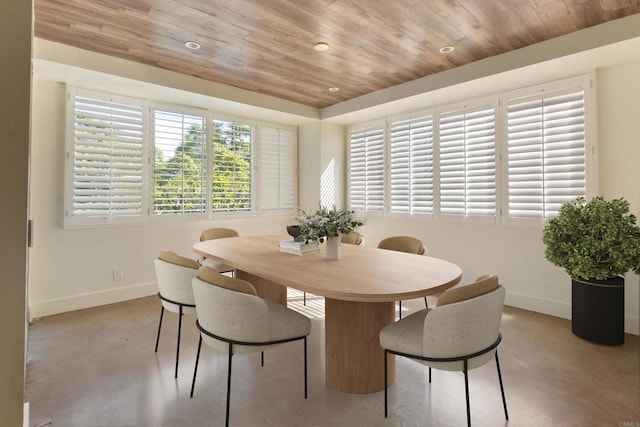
<point x="105" y="159"/>
<point x="467" y="155"/>
<point x="130" y="161"/>
<point x="411" y="165"/>
<point x="277" y="168"/>
<point x="546" y="152"/>
<point x="179" y="166"/>
<point x="366" y="168"/>
<point x="232" y="171"/>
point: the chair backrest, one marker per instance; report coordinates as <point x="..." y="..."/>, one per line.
<point x="217" y="233"/>
<point x="174" y="274"/>
<point x="231" y="314"/>
<point x="403" y="244"/>
<point x="462" y="328"/>
<point x="352" y="238"/>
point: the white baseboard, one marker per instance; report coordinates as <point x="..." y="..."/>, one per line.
<point x="25" y="415"/>
<point x="77" y="302"/>
<point x="539" y="305"/>
<point x="559" y="309"/>
<point x="632" y="325"/>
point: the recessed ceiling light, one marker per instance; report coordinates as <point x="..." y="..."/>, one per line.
<point x="192" y="45"/>
<point x="321" y="46"/>
<point x="447" y="49"/>
<point x="334" y="89"/>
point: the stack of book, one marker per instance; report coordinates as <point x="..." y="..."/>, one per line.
<point x="298" y="248"/>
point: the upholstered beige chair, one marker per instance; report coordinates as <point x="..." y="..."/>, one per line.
<point x="217" y="233"/>
<point x="462" y="332"/>
<point x="174" y="274"/>
<point x="406" y="244"/>
<point x="353" y="238"/>
<point x="232" y="318"/>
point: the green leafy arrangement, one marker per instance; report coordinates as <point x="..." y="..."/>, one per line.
<point x="594" y="240"/>
<point x="323" y="223"/>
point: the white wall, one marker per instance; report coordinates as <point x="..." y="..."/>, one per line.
<point x="321" y="165"/>
<point x="619" y="153"/>
<point x="309" y="165"/>
<point x="73" y="268"/>
<point x="516" y="254"/>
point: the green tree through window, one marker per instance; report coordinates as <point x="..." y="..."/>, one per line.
<point x="231" y="177"/>
<point x="132" y="161"/>
<point x="180" y="165"/>
<point x="179" y="168"/>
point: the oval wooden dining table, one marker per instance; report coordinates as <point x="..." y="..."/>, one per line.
<point x="360" y="291"/>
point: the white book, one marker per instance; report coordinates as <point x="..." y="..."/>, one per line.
<point x="298" y="251"/>
<point x="292" y="244"/>
<point x="301" y="250"/>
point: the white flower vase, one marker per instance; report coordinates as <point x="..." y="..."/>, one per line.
<point x="333" y="248"/>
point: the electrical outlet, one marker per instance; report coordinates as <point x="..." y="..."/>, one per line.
<point x="118" y="274"/>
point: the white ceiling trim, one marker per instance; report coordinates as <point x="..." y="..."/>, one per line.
<point x="600" y="46"/>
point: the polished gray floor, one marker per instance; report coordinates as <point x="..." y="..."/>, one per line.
<point x="97" y="367"/>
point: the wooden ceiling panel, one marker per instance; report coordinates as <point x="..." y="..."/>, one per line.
<point x="266" y="46"/>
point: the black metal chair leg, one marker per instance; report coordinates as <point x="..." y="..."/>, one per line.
<point x="262" y="358"/>
<point x="305" y="367"/>
<point x="175" y="375"/>
<point x="426" y="304"/>
<point x="504" y="400"/>
<point x="195" y="368"/>
<point x="159" y="328"/>
<point x="304" y="298"/>
<point x="229" y="384"/>
<point x="385" y="383"/>
<point x="465" y="360"/>
<point x="466" y="391"/>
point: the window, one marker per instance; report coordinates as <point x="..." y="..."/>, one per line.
<point x="278" y="174"/>
<point x="411" y="164"/>
<point x="546" y="150"/>
<point x="179" y="163"/>
<point x="130" y="161"/>
<point x="104" y="157"/>
<point x="366" y="168"/>
<point x="513" y="157"/>
<point x="231" y="175"/>
<point x="468" y="161"/>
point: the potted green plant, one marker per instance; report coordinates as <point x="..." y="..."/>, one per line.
<point x="327" y="224"/>
<point x="596" y="242"/>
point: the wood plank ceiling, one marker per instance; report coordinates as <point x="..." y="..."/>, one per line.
<point x="266" y="46"/>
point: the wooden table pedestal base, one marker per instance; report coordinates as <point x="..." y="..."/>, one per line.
<point x="354" y="357"/>
<point x="265" y="288"/>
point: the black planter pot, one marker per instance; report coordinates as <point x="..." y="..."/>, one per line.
<point x="597" y="310"/>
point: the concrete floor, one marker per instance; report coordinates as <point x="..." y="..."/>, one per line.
<point x="97" y="367"/>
